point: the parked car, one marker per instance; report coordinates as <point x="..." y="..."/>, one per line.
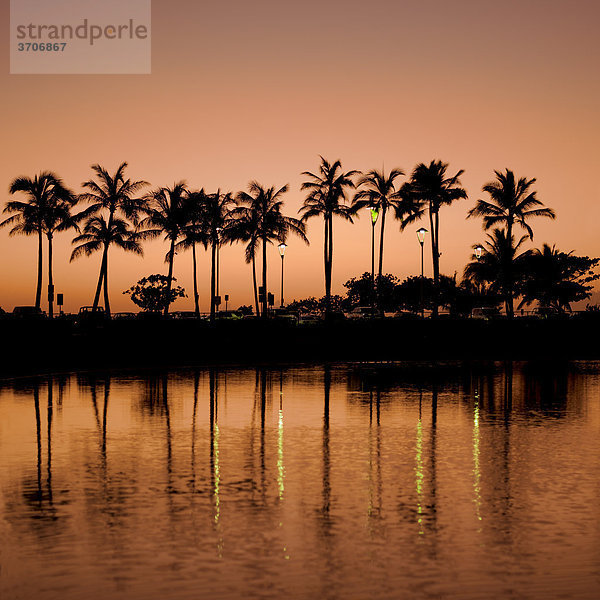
<point x="123" y="316"/>
<point x="309" y="319"/>
<point x="91" y="315"/>
<point x="284" y="315"/>
<point x="363" y="312"/>
<point x="544" y="312"/>
<point x="28" y="312"/>
<point x="184" y="314"/>
<point x="485" y="312"/>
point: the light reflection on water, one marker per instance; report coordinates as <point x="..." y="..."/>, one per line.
<point x="342" y="481"/>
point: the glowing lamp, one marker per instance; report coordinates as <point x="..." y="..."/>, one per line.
<point x="282" y="248"/>
<point x="421" y="235"/>
<point x="374" y="214"/>
<point x="478" y="251"/>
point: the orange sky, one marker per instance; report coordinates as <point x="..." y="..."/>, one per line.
<point x="256" y="90"/>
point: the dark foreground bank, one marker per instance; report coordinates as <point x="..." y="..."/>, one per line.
<point x="51" y="345"/>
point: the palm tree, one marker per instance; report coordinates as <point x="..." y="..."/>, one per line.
<point x="555" y="279"/>
<point x="113" y="194"/>
<point x="194" y="233"/>
<point x="512" y="202"/>
<point x="500" y="263"/>
<point x="379" y="192"/>
<point x="428" y="190"/>
<point x="57" y="217"/>
<point x="326" y="198"/>
<point x="214" y="214"/>
<point x="168" y="213"/>
<point x="98" y="235"/>
<point x="272" y="225"/>
<point x="27" y="217"/>
<point x="243" y="227"/>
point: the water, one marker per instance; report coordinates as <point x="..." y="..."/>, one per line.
<point x="349" y="481"/>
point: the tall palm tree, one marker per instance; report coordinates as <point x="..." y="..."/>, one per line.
<point x="27" y="216"/>
<point x="113" y="194"/>
<point x="98" y="235"/>
<point x="57" y="217"/>
<point x="272" y="224"/>
<point x="214" y="214"/>
<point x="430" y="187"/>
<point x="379" y="192"/>
<point x="243" y="227"/>
<point x="499" y="265"/>
<point x="167" y="213"/>
<point x="512" y="202"/>
<point x="194" y="233"/>
<point x="327" y="198"/>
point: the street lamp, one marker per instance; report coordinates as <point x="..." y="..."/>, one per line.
<point x="421" y="237"/>
<point x="219" y="229"/>
<point x="478" y="251"/>
<point x="282" y="248"/>
<point x="374" y="217"/>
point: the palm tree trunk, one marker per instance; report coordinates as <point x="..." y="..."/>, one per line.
<point x="38" y="290"/>
<point x="212" y="280"/>
<point x="255" y="286"/>
<point x="196" y="304"/>
<point x="327" y="249"/>
<point x="101" y="277"/>
<point x="381" y="242"/>
<point x="435" y="257"/>
<point x="50" y="279"/>
<point x="106" y="301"/>
<point x="380" y="257"/>
<point x="509" y="276"/>
<point x="265" y="308"/>
<point x="325" y="253"/>
<point x="169" y="277"/>
<point x="330" y="261"/>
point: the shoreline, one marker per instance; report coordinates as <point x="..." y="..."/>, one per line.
<point x="43" y="346"/>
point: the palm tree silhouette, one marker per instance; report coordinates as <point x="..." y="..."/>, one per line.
<point x="513" y="202"/>
<point x="428" y="190"/>
<point x="379" y="192"/>
<point x="99" y="235"/>
<point x="243" y="227"/>
<point x="194" y="233"/>
<point x="57" y="217"/>
<point x="114" y="194"/>
<point x="498" y="265"/>
<point x="27" y="217"/>
<point x="326" y="198"/>
<point x="168" y="213"/>
<point x="214" y="216"/>
<point x="272" y="224"/>
<point x="555" y="279"/>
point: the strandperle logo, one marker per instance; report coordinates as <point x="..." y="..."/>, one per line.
<point x="85" y="31"/>
<point x="80" y="37"/>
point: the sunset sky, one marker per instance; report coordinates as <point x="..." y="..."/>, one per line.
<point x="257" y="90"/>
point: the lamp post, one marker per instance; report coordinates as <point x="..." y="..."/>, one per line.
<point x="478" y="251"/>
<point x="282" y="248"/>
<point x="421" y="237"/>
<point x="374" y="216"/>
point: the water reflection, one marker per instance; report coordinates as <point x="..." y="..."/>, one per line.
<point x="360" y="478"/>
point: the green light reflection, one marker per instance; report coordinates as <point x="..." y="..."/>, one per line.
<point x="476" y="453"/>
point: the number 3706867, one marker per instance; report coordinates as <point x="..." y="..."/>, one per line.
<point x="41" y="47"/>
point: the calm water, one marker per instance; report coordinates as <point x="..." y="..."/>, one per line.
<point x="350" y="481"/>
